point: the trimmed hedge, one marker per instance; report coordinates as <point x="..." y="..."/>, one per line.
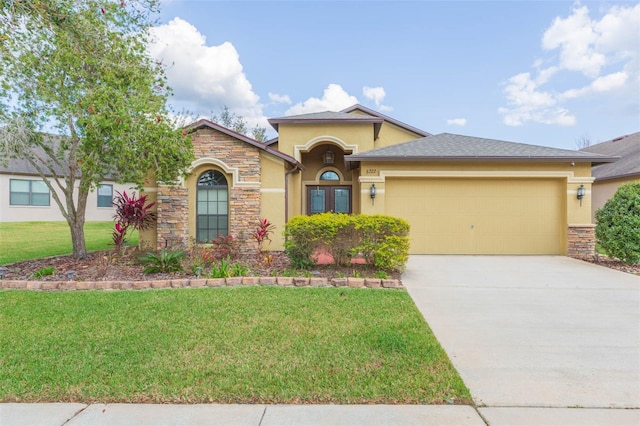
<point x="382" y="240"/>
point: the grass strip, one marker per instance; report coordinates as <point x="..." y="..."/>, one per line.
<point x="34" y="240"/>
<point x="225" y="345"/>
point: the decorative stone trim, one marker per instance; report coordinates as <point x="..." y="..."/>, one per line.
<point x="199" y="283"/>
<point x="581" y="241"/>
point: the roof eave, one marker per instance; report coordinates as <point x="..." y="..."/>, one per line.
<point x="597" y="160"/>
<point x="623" y="176"/>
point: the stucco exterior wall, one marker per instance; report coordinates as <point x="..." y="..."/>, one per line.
<point x="576" y="213"/>
<point x="390" y="134"/>
<point x="51" y="213"/>
<point x="272" y="204"/>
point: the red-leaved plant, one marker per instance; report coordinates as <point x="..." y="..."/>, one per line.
<point x="131" y="212"/>
<point x="261" y="234"/>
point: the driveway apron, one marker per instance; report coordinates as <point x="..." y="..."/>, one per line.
<point x="534" y="331"/>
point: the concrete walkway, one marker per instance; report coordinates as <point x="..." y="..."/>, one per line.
<point x="538" y="341"/>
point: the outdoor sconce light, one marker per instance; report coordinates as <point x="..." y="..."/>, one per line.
<point x="372" y="191"/>
<point x="328" y="157"/>
<point x="580" y="193"/>
<point x="71" y="274"/>
<point x="3" y="271"/>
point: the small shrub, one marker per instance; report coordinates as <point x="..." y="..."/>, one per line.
<point x="381" y="275"/>
<point x="240" y="270"/>
<point x="44" y="272"/>
<point x="618" y="224"/>
<point x="222" y="247"/>
<point x="166" y="261"/>
<point x="222" y="269"/>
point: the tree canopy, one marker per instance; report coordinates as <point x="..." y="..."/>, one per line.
<point x="80" y="69"/>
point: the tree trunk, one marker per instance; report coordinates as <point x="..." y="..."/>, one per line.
<point x="77" y="238"/>
<point x="76" y="222"/>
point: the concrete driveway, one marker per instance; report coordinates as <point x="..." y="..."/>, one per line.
<point x="534" y="331"/>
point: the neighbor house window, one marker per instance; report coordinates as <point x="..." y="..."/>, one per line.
<point x="28" y="193"/>
<point x="105" y="195"/>
<point x="212" y="211"/>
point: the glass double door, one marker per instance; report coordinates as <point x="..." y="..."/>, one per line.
<point x="335" y="199"/>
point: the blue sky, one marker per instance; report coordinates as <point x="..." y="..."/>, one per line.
<point x="545" y="72"/>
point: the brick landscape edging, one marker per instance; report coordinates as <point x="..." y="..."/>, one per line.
<point x="199" y="283"/>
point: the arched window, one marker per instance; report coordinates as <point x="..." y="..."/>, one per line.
<point x="329" y="175"/>
<point x="212" y="206"/>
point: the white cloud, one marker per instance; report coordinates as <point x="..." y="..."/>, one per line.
<point x="334" y="98"/>
<point x="376" y="94"/>
<point x="280" y="99"/>
<point x="457" y="122"/>
<point x="205" y="77"/>
<point x="603" y="84"/>
<point x="582" y="45"/>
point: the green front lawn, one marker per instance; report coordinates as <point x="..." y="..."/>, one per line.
<point x="227" y="345"/>
<point x="33" y="240"/>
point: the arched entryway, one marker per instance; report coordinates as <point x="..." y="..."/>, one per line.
<point x="327" y="184"/>
<point x="329" y="195"/>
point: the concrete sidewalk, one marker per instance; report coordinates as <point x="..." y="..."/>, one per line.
<point x="57" y="414"/>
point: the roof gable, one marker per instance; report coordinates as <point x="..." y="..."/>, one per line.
<point x="370" y="112"/>
<point x="452" y="147"/>
<point x="204" y="123"/>
<point x="627" y="148"/>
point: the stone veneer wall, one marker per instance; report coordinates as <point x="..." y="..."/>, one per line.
<point x="244" y="201"/>
<point x="581" y="241"/>
<point x="172" y="210"/>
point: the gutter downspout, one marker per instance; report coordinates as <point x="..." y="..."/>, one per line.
<point x="296" y="168"/>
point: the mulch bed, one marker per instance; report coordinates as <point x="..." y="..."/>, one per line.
<point x="104" y="266"/>
<point x="608" y="262"/>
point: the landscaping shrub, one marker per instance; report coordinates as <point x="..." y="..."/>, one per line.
<point x="618" y="224"/>
<point x="166" y="261"/>
<point x="382" y="240"/>
<point x="131" y="212"/>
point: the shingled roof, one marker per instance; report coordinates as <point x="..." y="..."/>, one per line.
<point x="627" y="148"/>
<point x="451" y="147"/>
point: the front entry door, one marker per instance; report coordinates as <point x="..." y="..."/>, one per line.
<point x="336" y="199"/>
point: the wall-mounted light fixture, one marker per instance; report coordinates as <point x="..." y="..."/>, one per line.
<point x="372" y="192"/>
<point x="328" y="157"/>
<point x="580" y="193"/>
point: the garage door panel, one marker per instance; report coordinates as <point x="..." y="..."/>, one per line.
<point x="480" y="216"/>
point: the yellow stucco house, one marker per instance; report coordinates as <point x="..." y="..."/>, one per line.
<point x="610" y="176"/>
<point x="460" y="194"/>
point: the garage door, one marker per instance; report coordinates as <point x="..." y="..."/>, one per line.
<point x="480" y="216"/>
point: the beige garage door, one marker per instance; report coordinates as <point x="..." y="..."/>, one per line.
<point x="480" y="216"/>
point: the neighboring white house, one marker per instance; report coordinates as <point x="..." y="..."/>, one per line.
<point x="25" y="198"/>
